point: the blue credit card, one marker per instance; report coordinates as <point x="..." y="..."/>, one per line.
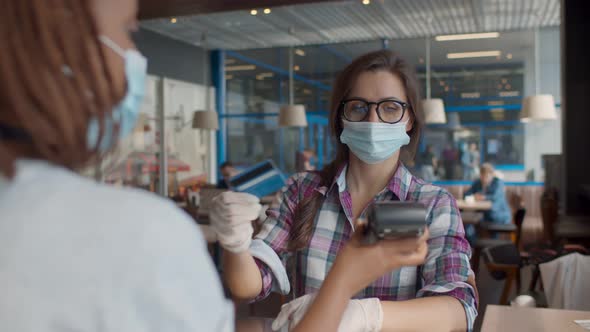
<point x="260" y="180"/>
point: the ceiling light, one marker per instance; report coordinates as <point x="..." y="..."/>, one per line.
<point x="509" y="56"/>
<point x="470" y="95"/>
<point x="434" y="111"/>
<point x="538" y="107"/>
<point x="300" y="52"/>
<point x="267" y="11"/>
<point x="509" y="93"/>
<point x="173" y="20"/>
<point x="497" y="114"/>
<point x="468" y="36"/>
<point x="480" y="54"/>
<point x="366" y="2"/>
<point x="240" y="67"/>
<point x="253" y="12"/>
<point x="262" y="76"/>
<point x="205" y="120"/>
<point x="292" y="116"/>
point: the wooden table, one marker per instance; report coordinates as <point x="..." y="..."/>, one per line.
<point x="471" y="213"/>
<point x="506" y="319"/>
<point x="477" y="206"/>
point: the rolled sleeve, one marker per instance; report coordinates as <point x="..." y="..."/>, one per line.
<point x="267" y="280"/>
<point x="447" y="268"/>
<point x="270" y="246"/>
<point x="272" y="270"/>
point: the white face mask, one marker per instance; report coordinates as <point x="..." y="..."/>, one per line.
<point x="374" y="142"/>
<point x="126" y="113"/>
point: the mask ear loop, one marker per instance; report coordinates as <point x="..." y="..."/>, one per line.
<point x="112" y="45"/>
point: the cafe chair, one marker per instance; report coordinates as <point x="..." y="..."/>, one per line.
<point x="536" y="255"/>
<point x="503" y="262"/>
<point x="550" y="248"/>
<point x="486" y="229"/>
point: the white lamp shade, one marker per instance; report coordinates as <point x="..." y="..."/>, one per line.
<point x="434" y="111"/>
<point x="205" y="120"/>
<point x="539" y="107"/>
<point x="292" y="116"/>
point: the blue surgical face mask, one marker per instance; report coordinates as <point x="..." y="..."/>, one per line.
<point x="125" y="114"/>
<point x="374" y="142"/>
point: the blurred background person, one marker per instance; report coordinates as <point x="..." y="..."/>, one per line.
<point x="490" y="188"/>
<point x="227" y="170"/>
<point x="305" y="160"/>
<point x="429" y="164"/>
<point x="449" y="157"/>
<point x="470" y="160"/>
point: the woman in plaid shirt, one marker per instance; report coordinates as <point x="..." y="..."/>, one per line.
<point x="377" y="119"/>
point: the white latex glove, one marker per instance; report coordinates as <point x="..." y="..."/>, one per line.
<point x="364" y="315"/>
<point x="231" y="215"/>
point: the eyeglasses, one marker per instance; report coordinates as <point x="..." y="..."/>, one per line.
<point x="388" y="110"/>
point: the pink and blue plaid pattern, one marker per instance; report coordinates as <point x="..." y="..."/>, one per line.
<point x="445" y="271"/>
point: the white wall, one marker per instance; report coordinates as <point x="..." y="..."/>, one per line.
<point x="195" y="147"/>
<point x="543" y="137"/>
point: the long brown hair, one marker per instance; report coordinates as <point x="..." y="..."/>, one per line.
<point x="54" y="80"/>
<point x="385" y="60"/>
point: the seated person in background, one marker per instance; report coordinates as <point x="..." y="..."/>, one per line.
<point x="228" y="171"/>
<point x="491" y="188"/>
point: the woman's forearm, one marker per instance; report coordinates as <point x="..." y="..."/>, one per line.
<point x="325" y="313"/>
<point x="242" y="275"/>
<point x="434" y="313"/>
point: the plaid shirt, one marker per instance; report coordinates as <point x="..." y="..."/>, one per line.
<point x="445" y="271"/>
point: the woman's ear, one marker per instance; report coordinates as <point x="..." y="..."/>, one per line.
<point x="410" y="123"/>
